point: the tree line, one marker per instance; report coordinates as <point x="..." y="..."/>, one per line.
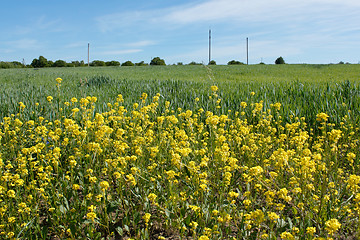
<point x="42" y="62"/>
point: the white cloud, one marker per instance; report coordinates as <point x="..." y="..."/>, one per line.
<point x="25" y="43"/>
<point x="143" y="43"/>
<point x="122" y="20"/>
<point x="240" y="13"/>
<point x="77" y="45"/>
<point x="119" y="52"/>
<point x="257" y="10"/>
<point x="40" y="24"/>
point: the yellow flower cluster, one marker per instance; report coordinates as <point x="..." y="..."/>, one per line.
<point x="191" y="172"/>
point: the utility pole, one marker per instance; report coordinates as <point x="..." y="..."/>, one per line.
<point x="209" y="46"/>
<point x="247" y="51"/>
<point x="88" y="54"/>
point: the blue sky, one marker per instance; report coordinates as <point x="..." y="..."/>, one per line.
<point x="306" y="31"/>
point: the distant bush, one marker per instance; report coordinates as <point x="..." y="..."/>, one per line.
<point x="112" y="63"/>
<point x="78" y="64"/>
<point x="142" y="63"/>
<point x="11" y="65"/>
<point x="59" y="63"/>
<point x="194" y="63"/>
<point x="97" y="63"/>
<point x="279" y="60"/>
<point x="233" y="62"/>
<point x="157" y="61"/>
<point x="127" y="64"/>
<point x="212" y="62"/>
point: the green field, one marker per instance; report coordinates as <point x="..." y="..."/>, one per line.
<point x="180" y="152"/>
<point x="304" y="90"/>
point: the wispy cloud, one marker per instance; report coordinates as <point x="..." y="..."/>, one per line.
<point x="24" y="44"/>
<point x="82" y="44"/>
<point x="236" y="10"/>
<point x="124" y="20"/>
<point x="258" y="10"/>
<point x="143" y="43"/>
<point x="120" y="52"/>
<point x="37" y="25"/>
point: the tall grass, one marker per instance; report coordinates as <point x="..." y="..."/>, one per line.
<point x="304" y="90"/>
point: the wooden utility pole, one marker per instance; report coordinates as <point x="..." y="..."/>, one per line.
<point x="209" y="46"/>
<point x="88" y="54"/>
<point x="247" y="51"/>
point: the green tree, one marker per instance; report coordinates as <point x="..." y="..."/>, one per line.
<point x="59" y="63"/>
<point x="157" y="61"/>
<point x="17" y="64"/>
<point x="5" y="65"/>
<point x="142" y="63"/>
<point x="40" y="63"/>
<point x="97" y="63"/>
<point x="212" y="62"/>
<point x="194" y="63"/>
<point x="127" y="64"/>
<point x="233" y="62"/>
<point x="112" y="63"/>
<point x="279" y="60"/>
<point x="76" y="63"/>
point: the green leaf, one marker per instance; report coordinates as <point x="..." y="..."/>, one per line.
<point x="119" y="230"/>
<point x="167" y="213"/>
<point x="187" y="220"/>
<point x="187" y="171"/>
<point x="62" y="209"/>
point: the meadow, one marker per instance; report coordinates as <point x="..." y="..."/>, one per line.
<point x="180" y="152"/>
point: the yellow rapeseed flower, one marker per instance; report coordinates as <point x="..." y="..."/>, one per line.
<point x="104" y="185"/>
<point x="91" y="216"/>
<point x="11" y="193"/>
<point x="311" y="230"/>
<point x="10" y="234"/>
<point x="203" y="237"/>
<point x="273" y="216"/>
<point x="214" y="88"/>
<point x="322" y="117"/>
<point x="287" y="236"/>
<point x="152" y="197"/>
<point x="146" y="218"/>
<point x="332" y="225"/>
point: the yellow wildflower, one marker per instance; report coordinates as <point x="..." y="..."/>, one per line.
<point x="332" y="225"/>
<point x="214" y="88"/>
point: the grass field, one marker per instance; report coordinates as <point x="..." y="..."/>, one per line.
<point x="313" y="88"/>
<point x="180" y="152"/>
